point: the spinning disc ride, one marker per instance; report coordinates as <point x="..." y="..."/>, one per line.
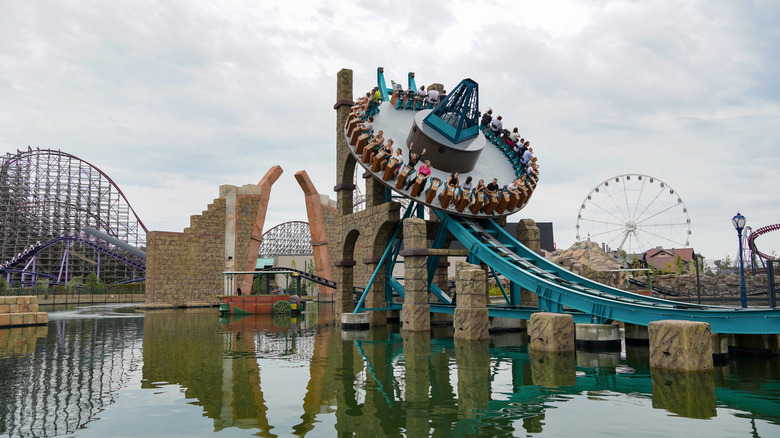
<point x="445" y="132"/>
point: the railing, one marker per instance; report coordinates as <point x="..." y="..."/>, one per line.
<point x="80" y="295"/>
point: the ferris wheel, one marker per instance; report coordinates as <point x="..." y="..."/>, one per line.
<point x="634" y="213"/>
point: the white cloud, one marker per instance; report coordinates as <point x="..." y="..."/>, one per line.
<point x="173" y="99"/>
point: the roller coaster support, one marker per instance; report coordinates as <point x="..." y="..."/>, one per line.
<point x="392" y="247"/>
<point x="770" y="271"/>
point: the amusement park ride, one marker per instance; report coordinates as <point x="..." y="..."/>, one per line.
<point x="444" y="131"/>
<point x="448" y="130"/>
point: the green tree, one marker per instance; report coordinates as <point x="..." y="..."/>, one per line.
<point x="74" y="283"/>
<point x="92" y="283"/>
<point x="42" y="284"/>
<point x="723" y="265"/>
<point x="4" y="286"/>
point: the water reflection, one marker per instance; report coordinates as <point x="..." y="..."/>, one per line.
<point x="20" y="340"/>
<point x="303" y="376"/>
<point x="54" y="380"/>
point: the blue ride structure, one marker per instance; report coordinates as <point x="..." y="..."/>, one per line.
<point x="473" y="223"/>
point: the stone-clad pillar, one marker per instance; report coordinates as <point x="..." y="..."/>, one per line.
<point x="552" y="332"/>
<point x="376" y="296"/>
<point x="345" y="303"/>
<point x="345" y="162"/>
<point x="680" y="345"/>
<point x="415" y="315"/>
<point x="471" y="315"/>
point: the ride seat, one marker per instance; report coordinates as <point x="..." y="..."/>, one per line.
<point x="402" y="176"/>
<point x="432" y="189"/>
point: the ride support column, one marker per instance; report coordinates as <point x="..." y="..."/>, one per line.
<point x="416" y="312"/>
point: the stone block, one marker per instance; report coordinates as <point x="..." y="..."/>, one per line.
<point x="471" y="301"/>
<point x="5" y="319"/>
<point x="471" y="323"/>
<point x="552" y="332"/>
<point x="29" y="319"/>
<point x="42" y="318"/>
<point x="416" y="317"/>
<point x="5" y="308"/>
<point x="17" y="319"/>
<point x="680" y="345"/>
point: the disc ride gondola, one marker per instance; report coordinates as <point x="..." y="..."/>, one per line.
<point x="395" y="133"/>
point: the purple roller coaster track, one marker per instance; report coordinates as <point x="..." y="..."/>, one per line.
<point x="48" y="199"/>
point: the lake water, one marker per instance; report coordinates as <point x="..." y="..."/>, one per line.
<point x="98" y="371"/>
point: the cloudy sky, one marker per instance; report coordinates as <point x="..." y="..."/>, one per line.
<point x="174" y="98"/>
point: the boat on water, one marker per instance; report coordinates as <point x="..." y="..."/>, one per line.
<point x="260" y="304"/>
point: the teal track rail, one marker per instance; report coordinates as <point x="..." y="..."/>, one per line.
<point x="562" y="291"/>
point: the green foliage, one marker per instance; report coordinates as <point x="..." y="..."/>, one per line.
<point x="680" y="265"/>
<point x="92" y="283"/>
<point x="258" y="285"/>
<point x="723" y="266"/>
<point x="127" y="288"/>
<point x="494" y="291"/>
<point x="4" y="286"/>
<point x="636" y="263"/>
<point x="42" y="283"/>
<point x="74" y="283"/>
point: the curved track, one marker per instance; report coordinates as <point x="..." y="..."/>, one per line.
<point x="560" y="290"/>
<point x="122" y="256"/>
<point x="756" y="234"/>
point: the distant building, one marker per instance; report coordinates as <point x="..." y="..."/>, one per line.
<point x="662" y="259"/>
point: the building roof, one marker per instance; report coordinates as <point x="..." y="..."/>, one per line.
<point x="659" y="258"/>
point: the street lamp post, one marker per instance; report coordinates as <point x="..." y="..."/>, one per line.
<point x="739" y="223"/>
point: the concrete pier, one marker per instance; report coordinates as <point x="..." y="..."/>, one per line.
<point x="471" y="315"/>
<point x="553" y="332"/>
<point x="499" y="325"/>
<point x="680" y="345"/>
<point x="354" y="321"/>
<point x="754" y="345"/>
<point x="636" y="334"/>
<point x="720" y="348"/>
<point x="21" y="311"/>
<point x="597" y="337"/>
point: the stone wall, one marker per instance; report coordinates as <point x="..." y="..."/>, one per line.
<point x="711" y="285"/>
<point x="21" y="311"/>
<point x="589" y="260"/>
<point x="185" y="269"/>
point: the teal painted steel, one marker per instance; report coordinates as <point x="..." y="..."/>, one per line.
<point x="411" y="82"/>
<point x="380" y="83"/>
<point x="558" y="290"/>
<point x="381" y="265"/>
<point x="456" y="117"/>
